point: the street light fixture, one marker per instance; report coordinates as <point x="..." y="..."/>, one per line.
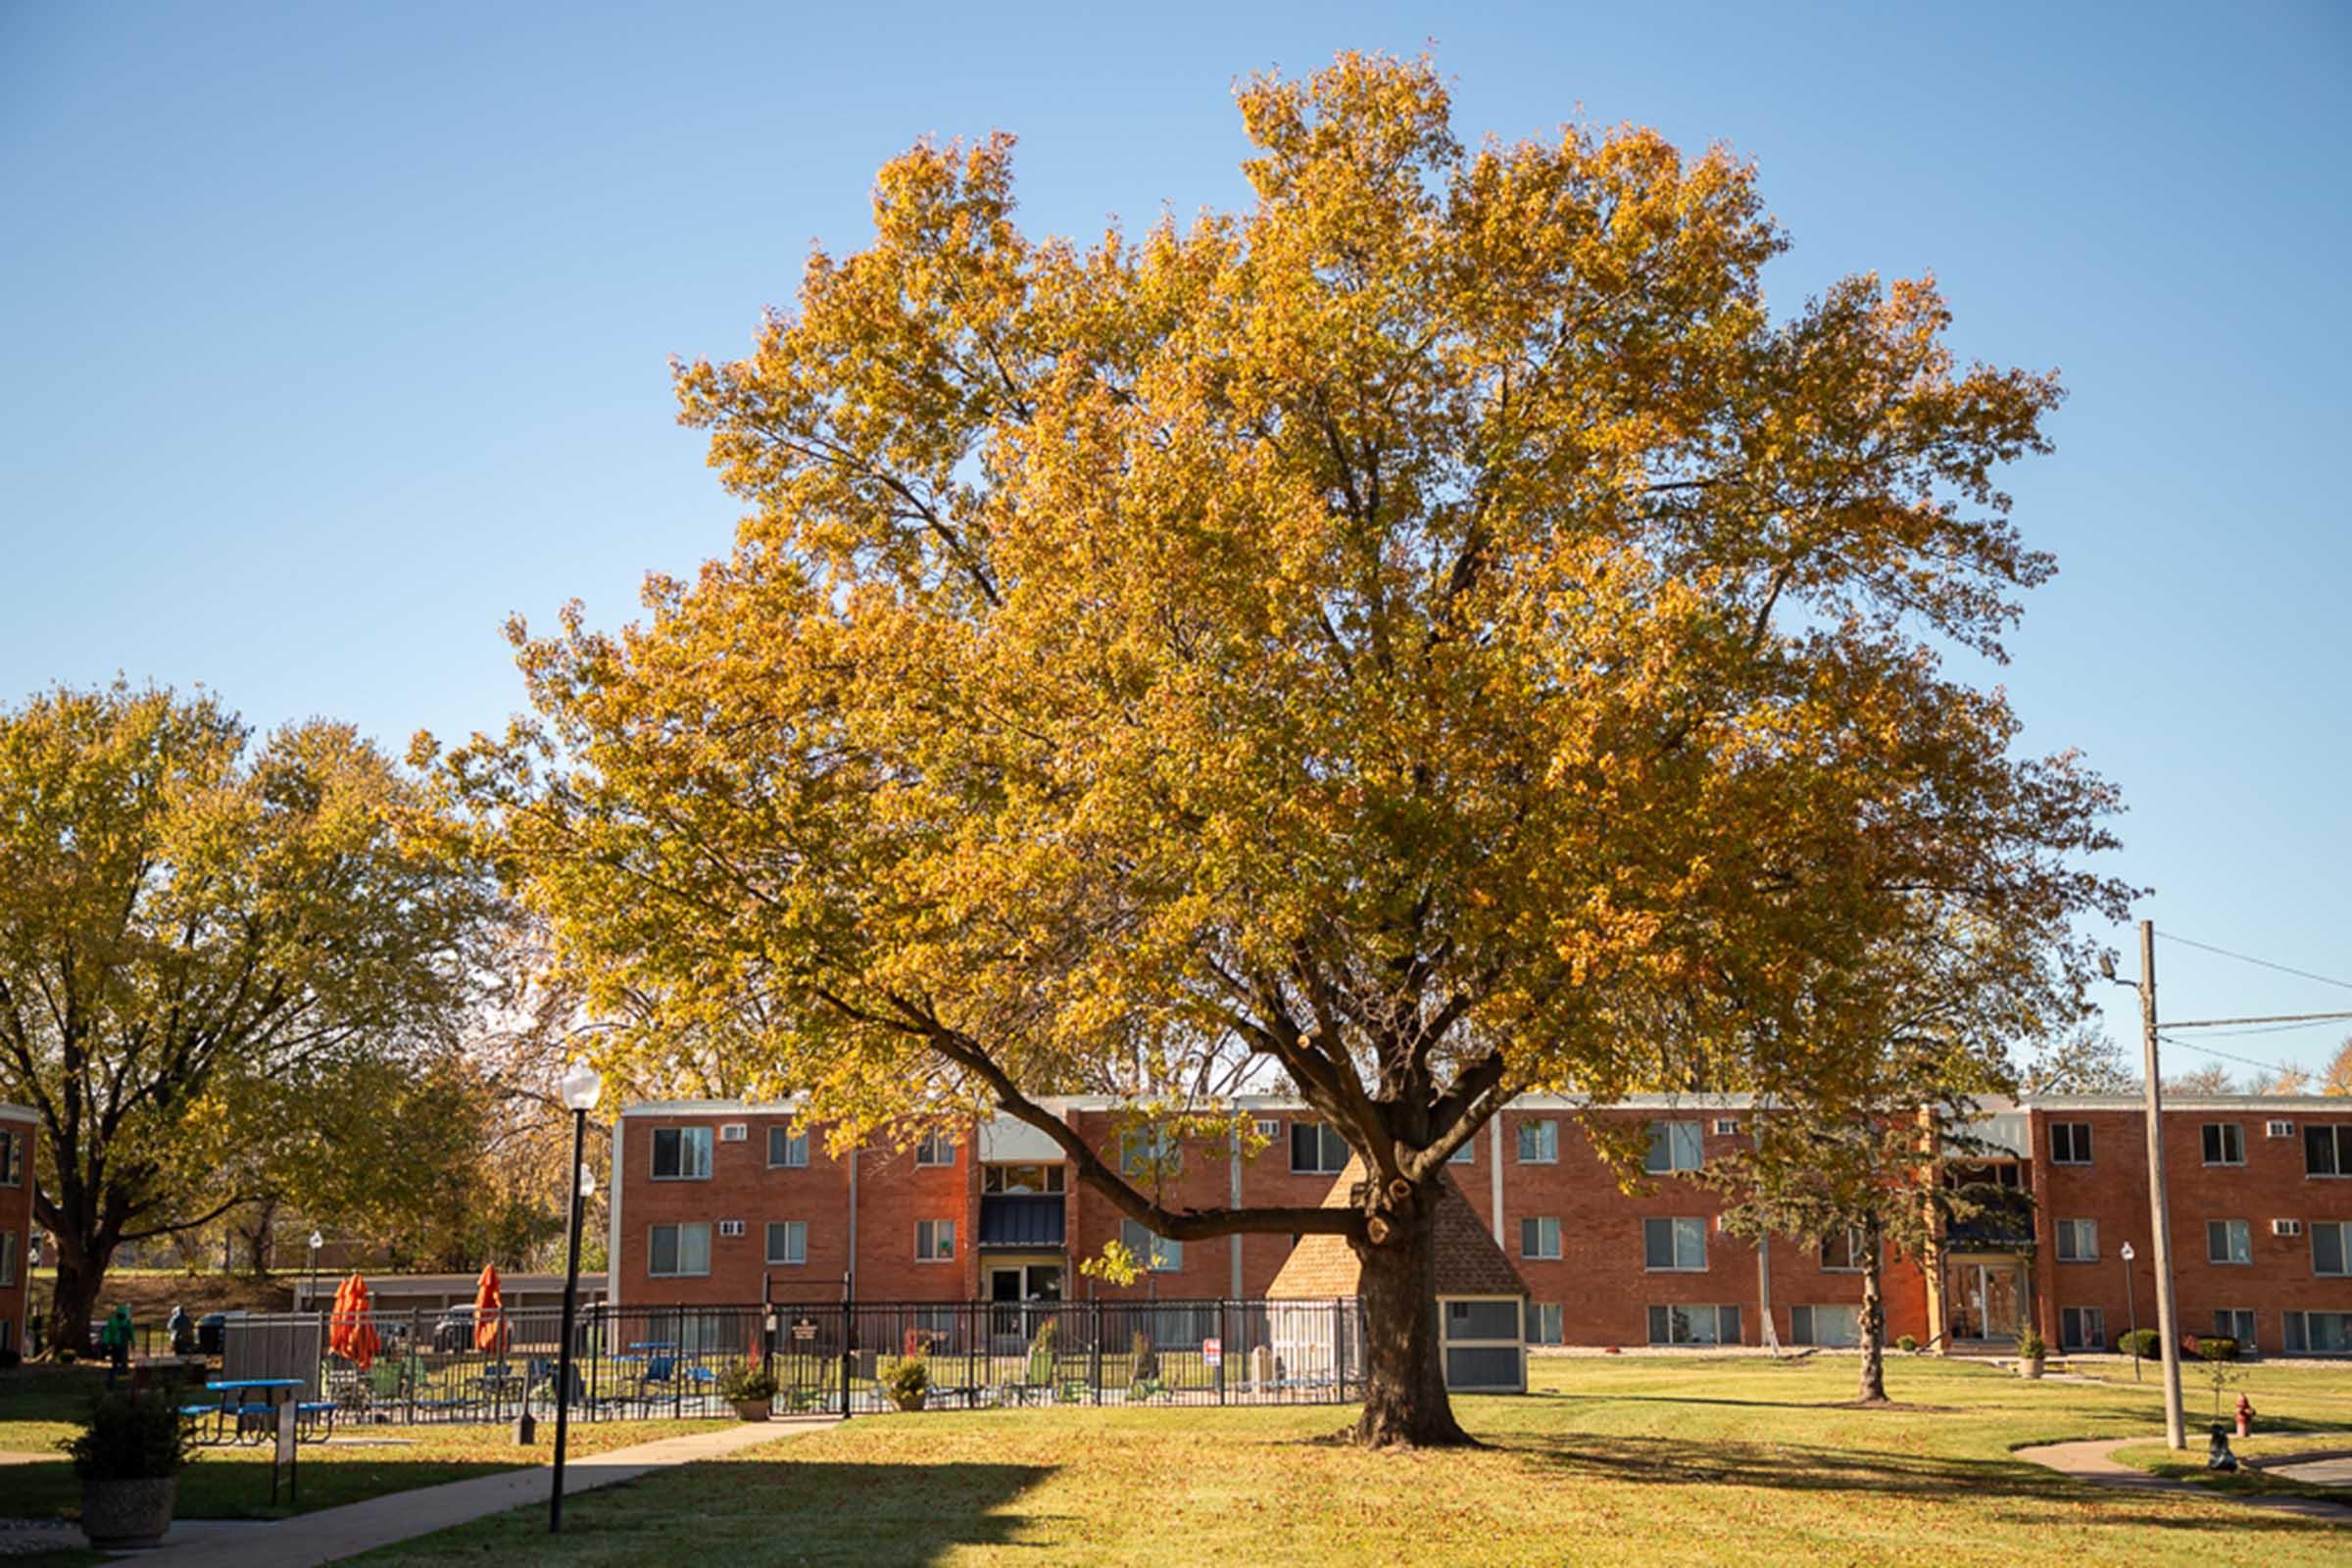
<point x="580" y="1088"/>
<point x="316" y="1241"/>
<point x="2131" y="1311"/>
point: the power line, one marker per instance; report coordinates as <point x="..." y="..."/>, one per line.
<point x="2206" y="947"/>
<point x="2243" y="1062"/>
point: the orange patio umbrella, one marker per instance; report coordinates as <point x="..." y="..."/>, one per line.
<point x="352" y="1334"/>
<point x="489" y="1312"/>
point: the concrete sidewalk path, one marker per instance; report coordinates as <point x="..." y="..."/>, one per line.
<point x="334" y="1534"/>
<point x="2091" y="1460"/>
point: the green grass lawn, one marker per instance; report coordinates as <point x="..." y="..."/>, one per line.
<point x="1639" y="1461"/>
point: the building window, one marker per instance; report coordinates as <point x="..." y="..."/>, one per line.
<point x="1694" y="1325"/>
<point x="786" y="1148"/>
<point x="1155" y="1252"/>
<point x="1466" y="1155"/>
<point x="2318" y="1332"/>
<point x="1676" y="1245"/>
<point x="1539" y="1142"/>
<point x="2070" y="1143"/>
<point x="1844" y="1253"/>
<point x="2225" y="1144"/>
<point x="12" y="1159"/>
<point x="1539" y="1237"/>
<point x="2228" y="1241"/>
<point x="934" y="1239"/>
<point x="2332" y="1247"/>
<point x="787" y="1241"/>
<point x="1673" y="1145"/>
<point x="1317" y="1150"/>
<point x="1544" y="1323"/>
<point x="1003" y="1180"/>
<point x="1833" y="1327"/>
<point x="2078" y="1240"/>
<point x="7" y="1257"/>
<point x="936" y="1149"/>
<point x="1149" y="1153"/>
<point x="681" y="1153"/>
<point x="2081" y="1328"/>
<point x="2235" y="1323"/>
<point x="2327" y="1149"/>
<point x="677" y="1251"/>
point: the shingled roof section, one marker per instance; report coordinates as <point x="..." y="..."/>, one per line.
<point x="1469" y="1263"/>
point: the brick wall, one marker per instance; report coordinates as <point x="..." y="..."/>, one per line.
<point x="1600" y="1280"/>
<point x="16" y="1221"/>
<point x="2112" y="1190"/>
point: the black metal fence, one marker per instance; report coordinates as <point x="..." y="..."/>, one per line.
<point x="649" y="1362"/>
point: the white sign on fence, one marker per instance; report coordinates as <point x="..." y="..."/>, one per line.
<point x="1212" y="1352"/>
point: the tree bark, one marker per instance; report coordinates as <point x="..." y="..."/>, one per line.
<point x="1405" y="1404"/>
<point x="73" y="1298"/>
<point x="1874" y="1316"/>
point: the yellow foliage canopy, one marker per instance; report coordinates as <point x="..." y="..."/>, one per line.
<point x="1430" y="635"/>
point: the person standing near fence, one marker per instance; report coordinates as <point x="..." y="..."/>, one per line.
<point x="116" y="1339"/>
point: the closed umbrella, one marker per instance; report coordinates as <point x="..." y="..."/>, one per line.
<point x="356" y="1339"/>
<point x="489" y="1313"/>
<point x="338" y="1322"/>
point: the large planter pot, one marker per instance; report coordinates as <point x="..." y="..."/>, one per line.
<point x="752" y="1409"/>
<point x="911" y="1402"/>
<point x="2030" y="1367"/>
<point x="127" y="1513"/>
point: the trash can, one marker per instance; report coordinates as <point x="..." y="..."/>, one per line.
<point x="210" y="1329"/>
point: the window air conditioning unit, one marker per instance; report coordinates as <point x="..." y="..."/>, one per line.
<point x="2287" y="1227"/>
<point x="2281" y="1129"/>
<point x="733" y="1132"/>
<point x="730" y="1227"/>
<point x="1269" y="1130"/>
<point x="1726" y="1126"/>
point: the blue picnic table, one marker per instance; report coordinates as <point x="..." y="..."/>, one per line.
<point x="241" y="1397"/>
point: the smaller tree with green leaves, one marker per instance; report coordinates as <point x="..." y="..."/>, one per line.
<point x="1903" y="1164"/>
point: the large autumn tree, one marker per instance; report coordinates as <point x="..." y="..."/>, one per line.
<point x="210" y="949"/>
<point x="1415" y="633"/>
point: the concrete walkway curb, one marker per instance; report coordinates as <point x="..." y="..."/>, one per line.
<point x="334" y="1534"/>
<point x="2092" y="1460"/>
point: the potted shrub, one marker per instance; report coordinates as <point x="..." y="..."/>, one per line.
<point x="127" y="1457"/>
<point x="2030" y="1352"/>
<point x="749" y="1389"/>
<point x="906" y="1379"/>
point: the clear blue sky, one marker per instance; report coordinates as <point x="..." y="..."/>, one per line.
<point x="335" y="333"/>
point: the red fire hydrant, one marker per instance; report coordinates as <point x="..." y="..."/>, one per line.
<point x="2245" y="1416"/>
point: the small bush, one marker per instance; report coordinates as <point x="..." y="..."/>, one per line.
<point x="9" y="1359"/>
<point x="906" y="1379"/>
<point x="1908" y="1344"/>
<point x="2140" y="1342"/>
<point x="130" y="1438"/>
<point x="2031" y="1345"/>
<point x="1147" y="1360"/>
<point x="747" y="1383"/>
<point x="2218" y="1347"/>
<point x="66" y="1355"/>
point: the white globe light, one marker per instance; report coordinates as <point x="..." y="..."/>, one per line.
<point x="317" y="1241"/>
<point x="581" y="1086"/>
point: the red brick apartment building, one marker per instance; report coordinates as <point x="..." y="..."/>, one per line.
<point x="16" y="1125"/>
<point x="725" y="1201"/>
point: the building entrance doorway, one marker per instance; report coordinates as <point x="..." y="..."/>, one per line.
<point x="1984" y="1297"/>
<point x="1022" y="1297"/>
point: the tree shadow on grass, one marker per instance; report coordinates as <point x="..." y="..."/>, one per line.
<point x="2014" y="1491"/>
<point x="742" y="1514"/>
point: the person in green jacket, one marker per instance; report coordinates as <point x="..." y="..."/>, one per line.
<point x="116" y="1339"/>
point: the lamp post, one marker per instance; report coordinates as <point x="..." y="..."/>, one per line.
<point x="2131" y="1312"/>
<point x="316" y="1241"/>
<point x="580" y="1089"/>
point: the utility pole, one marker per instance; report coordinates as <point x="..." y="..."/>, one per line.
<point x="2159" y="1207"/>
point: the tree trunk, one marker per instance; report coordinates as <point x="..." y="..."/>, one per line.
<point x="1873" y="1317"/>
<point x="73" y="1298"/>
<point x="1405" y="1404"/>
